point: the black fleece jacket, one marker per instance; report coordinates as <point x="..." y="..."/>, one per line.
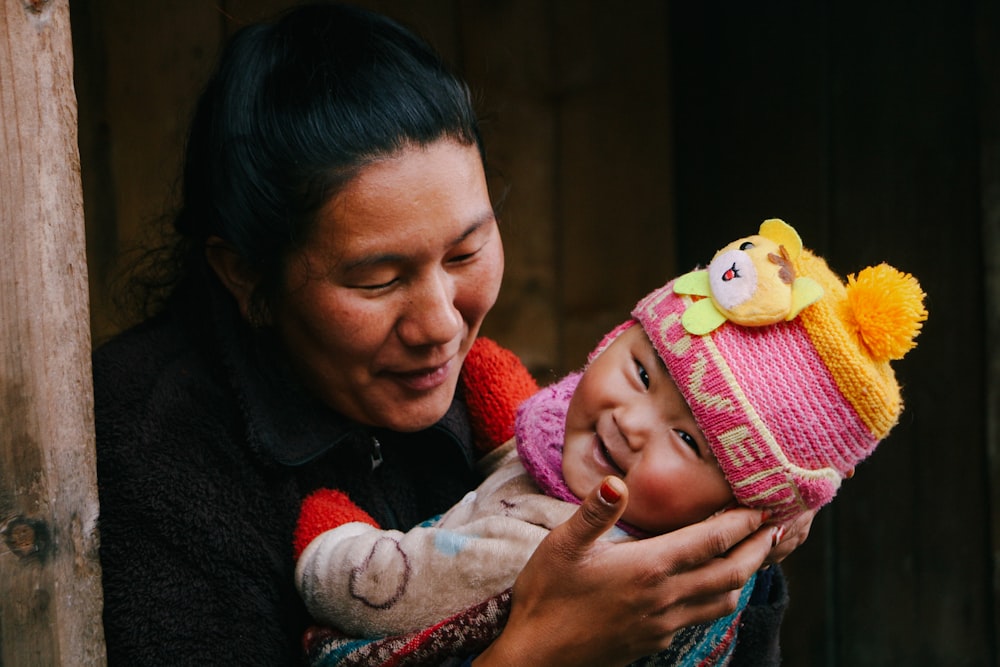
<point x="204" y="456"/>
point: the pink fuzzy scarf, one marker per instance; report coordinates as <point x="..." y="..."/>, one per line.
<point x="540" y="429"/>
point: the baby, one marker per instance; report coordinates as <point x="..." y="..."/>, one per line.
<point x="761" y="381"/>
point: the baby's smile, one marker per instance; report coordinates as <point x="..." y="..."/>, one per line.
<point x="606" y="454"/>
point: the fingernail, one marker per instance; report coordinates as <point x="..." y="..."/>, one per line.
<point x="765" y="515"/>
<point x="608" y="492"/>
<point x="776" y="535"/>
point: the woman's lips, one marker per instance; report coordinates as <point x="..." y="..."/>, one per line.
<point x="424" y="379"/>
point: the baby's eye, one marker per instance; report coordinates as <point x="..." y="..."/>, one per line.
<point x="643" y="375"/>
<point x="689" y="441"/>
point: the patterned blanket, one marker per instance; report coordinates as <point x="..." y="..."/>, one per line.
<point x="451" y="642"/>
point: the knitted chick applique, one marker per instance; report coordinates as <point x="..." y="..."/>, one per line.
<point x="751" y="281"/>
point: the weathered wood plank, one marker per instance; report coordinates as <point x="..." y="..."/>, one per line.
<point x="866" y="116"/>
<point x="507" y="59"/>
<point x="913" y="525"/>
<point x="50" y="595"/>
<point x="751" y="136"/>
<point x="614" y="184"/>
<point x="141" y="66"/>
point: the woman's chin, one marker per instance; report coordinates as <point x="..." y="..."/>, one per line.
<point x="417" y="413"/>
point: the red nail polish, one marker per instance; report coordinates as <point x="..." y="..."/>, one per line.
<point x="776" y="536"/>
<point x="765" y="515"/>
<point x="609" y="493"/>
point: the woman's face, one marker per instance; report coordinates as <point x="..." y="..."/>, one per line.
<point x="387" y="296"/>
<point x="627" y="418"/>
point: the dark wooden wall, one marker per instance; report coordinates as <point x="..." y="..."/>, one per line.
<point x="863" y="124"/>
<point x="634" y="138"/>
<point x="575" y="112"/>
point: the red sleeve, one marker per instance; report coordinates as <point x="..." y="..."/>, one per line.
<point x="323" y="510"/>
<point x="495" y="383"/>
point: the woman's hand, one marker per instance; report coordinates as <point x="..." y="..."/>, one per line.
<point x="580" y="601"/>
<point x="792" y="537"/>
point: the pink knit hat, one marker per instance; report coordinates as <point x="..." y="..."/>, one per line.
<point x="785" y="367"/>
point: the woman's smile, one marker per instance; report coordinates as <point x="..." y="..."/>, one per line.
<point x="423" y="379"/>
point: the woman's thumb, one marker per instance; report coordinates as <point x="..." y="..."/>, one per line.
<point x="598" y="512"/>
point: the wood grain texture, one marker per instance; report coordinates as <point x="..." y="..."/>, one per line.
<point x="50" y="595"/>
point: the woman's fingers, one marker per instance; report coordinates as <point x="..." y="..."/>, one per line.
<point x="562" y="592"/>
<point x="694" y="545"/>
<point x="730" y="571"/>
<point x="597" y="514"/>
<point x="713" y="586"/>
<point x="794" y="535"/>
<point x="620" y="601"/>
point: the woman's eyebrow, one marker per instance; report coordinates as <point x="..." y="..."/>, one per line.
<point x="372" y="260"/>
<point x="391" y="258"/>
<point x="477" y="223"/>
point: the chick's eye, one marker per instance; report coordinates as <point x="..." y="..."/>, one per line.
<point x="746" y="245"/>
<point x="689" y="441"/>
<point x="643" y="375"/>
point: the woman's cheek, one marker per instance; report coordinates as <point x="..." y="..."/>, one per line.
<point x="481" y="287"/>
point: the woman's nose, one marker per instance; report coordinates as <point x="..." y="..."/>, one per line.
<point x="431" y="317"/>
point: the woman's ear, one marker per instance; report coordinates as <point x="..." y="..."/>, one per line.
<point x="234" y="272"/>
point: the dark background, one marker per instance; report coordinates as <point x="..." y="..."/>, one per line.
<point x="632" y="140"/>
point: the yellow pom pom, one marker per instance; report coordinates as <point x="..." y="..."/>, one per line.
<point x="885" y="309"/>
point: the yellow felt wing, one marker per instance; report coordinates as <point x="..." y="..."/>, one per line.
<point x="702" y="317"/>
<point x="805" y="292"/>
<point x="695" y="282"/>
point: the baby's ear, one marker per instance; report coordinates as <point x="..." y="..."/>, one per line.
<point x="233" y="272"/>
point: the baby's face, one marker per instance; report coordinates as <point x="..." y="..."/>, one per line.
<point x="627" y="418"/>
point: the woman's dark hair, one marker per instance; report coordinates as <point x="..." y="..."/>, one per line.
<point x="295" y="109"/>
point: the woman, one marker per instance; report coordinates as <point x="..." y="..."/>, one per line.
<point x="337" y="254"/>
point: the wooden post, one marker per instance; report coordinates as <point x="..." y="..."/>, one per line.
<point x="50" y="593"/>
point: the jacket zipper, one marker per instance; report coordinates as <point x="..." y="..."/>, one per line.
<point x="376" y="453"/>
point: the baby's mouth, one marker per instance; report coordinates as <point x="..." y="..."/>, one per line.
<point x="608" y="458"/>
